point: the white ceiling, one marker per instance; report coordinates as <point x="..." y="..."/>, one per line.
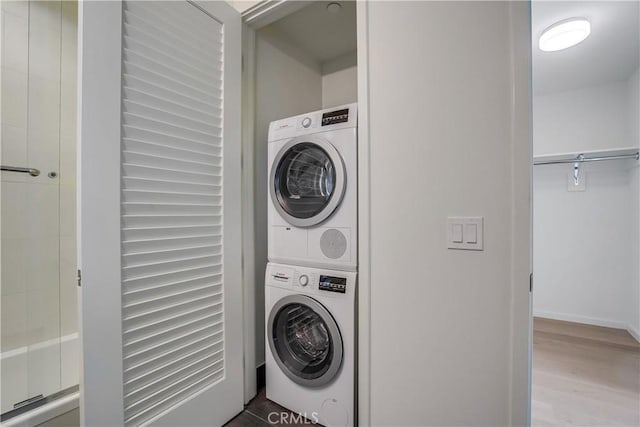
<point x="611" y="53"/>
<point x="322" y="35"/>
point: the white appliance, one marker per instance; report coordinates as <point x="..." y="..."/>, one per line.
<point x="313" y="189"/>
<point x="310" y="328"/>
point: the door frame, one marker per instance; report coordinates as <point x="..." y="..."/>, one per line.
<point x="99" y="91"/>
<point x="254" y="18"/>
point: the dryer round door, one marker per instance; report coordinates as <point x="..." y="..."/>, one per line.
<point x="305" y="340"/>
<point x="307" y="181"/>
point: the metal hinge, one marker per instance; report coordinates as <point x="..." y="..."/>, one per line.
<point x="79" y="278"/>
<point x="531" y="282"/>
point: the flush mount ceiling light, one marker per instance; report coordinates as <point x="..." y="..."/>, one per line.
<point x="564" y="34"/>
<point x="334" y="8"/>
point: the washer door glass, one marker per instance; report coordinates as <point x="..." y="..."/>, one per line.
<point x="305" y="180"/>
<point x="305" y="341"/>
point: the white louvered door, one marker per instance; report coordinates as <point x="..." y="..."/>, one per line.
<point x="160" y="245"/>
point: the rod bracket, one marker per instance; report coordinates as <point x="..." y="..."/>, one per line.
<point x="576" y="169"/>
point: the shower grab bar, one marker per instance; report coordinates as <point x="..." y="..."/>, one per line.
<point x="30" y="171"/>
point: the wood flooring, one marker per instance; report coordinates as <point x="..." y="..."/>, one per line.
<point x="584" y="375"/>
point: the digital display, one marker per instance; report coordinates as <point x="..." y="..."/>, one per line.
<point x="333" y="117"/>
<point x="333" y="284"/>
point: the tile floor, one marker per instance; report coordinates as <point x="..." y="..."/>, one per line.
<point x="256" y="414"/>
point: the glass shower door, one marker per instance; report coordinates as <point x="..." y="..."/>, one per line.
<point x="37" y="210"/>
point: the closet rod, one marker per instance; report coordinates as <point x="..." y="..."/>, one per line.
<point x="581" y="159"/>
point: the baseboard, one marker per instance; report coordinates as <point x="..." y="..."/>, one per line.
<point x="580" y="319"/>
<point x="633" y="332"/>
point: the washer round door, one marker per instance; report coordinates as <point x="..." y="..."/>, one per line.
<point x="305" y="340"/>
<point x="307" y="181"/>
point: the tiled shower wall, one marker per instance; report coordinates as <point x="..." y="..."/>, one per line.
<point x="38" y="214"/>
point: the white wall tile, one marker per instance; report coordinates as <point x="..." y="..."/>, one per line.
<point x="14" y="266"/>
<point x="43" y="320"/>
<point x="44" y="39"/>
<point x="43" y="211"/>
<point x="70" y="361"/>
<point x="14" y="151"/>
<point x="14" y="380"/>
<point x="43" y="370"/>
<point x="15" y="42"/>
<point x="68" y="119"/>
<point x="14" y="206"/>
<point x="43" y="153"/>
<point x="68" y="287"/>
<point x="14" y="321"/>
<point x="68" y="208"/>
<point x="43" y="263"/>
<point x="14" y="98"/>
<point x="69" y="42"/>
<point x="19" y="8"/>
<point x="44" y="106"/>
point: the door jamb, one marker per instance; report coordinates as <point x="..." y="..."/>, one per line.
<point x="248" y="212"/>
<point x="363" y="308"/>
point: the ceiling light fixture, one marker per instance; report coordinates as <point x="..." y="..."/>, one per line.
<point x="334" y="8"/>
<point x="564" y="34"/>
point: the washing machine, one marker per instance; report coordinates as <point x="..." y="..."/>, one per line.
<point x="310" y="331"/>
<point x="313" y="186"/>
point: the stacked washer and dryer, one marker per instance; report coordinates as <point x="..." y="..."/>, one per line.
<point x="311" y="276"/>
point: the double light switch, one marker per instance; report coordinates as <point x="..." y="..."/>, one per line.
<point x="465" y="233"/>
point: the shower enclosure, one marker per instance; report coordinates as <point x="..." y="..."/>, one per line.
<point x="39" y="357"/>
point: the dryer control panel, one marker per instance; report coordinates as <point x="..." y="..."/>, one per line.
<point x="336" y="118"/>
<point x="333" y="284"/>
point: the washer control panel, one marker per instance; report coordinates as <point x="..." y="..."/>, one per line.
<point x="311" y="280"/>
<point x="303" y="280"/>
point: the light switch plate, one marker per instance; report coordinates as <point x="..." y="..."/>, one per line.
<point x="472" y="233"/>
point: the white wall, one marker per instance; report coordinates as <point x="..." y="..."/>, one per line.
<point x="588" y="119"/>
<point x="340" y="87"/>
<point x="583" y="243"/>
<point x="634" y="123"/>
<point x="633" y="107"/>
<point x="287" y="83"/>
<point x="448" y="137"/>
<point x="340" y="81"/>
<point x="586" y="243"/>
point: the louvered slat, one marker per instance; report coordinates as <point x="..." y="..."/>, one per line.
<point x="172" y="141"/>
<point x="193" y="343"/>
<point x="167" y="220"/>
<point x="147" y="343"/>
<point x="136" y="246"/>
<point x="141" y="258"/>
<point x="171" y="206"/>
